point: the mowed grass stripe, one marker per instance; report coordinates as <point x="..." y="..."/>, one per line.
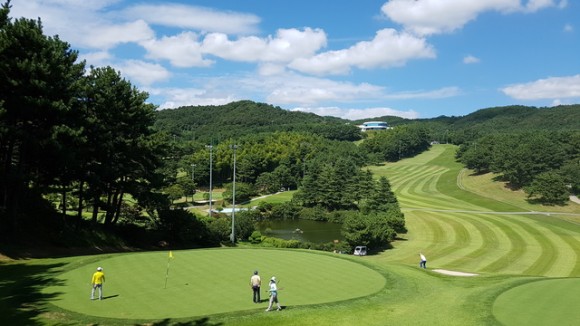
<point x="526" y="247"/>
<point x="483" y="241"/>
<point x="411" y="193"/>
<point x="467" y="240"/>
<point x="558" y="259"/>
<point x="549" y="253"/>
<point x="573" y="240"/>
<point x="420" y="189"/>
<point x="434" y="235"/>
<point x="498" y="246"/>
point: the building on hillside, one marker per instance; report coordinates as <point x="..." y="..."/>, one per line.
<point x="374" y="125"/>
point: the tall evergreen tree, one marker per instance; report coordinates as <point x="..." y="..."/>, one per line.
<point x="38" y="122"/>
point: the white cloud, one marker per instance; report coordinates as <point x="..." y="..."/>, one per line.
<point x="106" y="37"/>
<point x="195" y="18"/>
<point x="433" y="94"/>
<point x="271" y="69"/>
<point x="178" y="97"/>
<point x="287" y="45"/>
<point x="97" y="58"/>
<point x="568" y="28"/>
<point x="182" y="50"/>
<point x="357" y="114"/>
<point x="144" y="73"/>
<point x="85" y="24"/>
<point x="426" y="17"/>
<point x="389" y="48"/>
<point x="549" y="88"/>
<point x="301" y="90"/>
<point x="470" y="59"/>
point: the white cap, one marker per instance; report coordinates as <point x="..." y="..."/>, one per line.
<point x="273" y="278"/>
<point x="99" y="268"/>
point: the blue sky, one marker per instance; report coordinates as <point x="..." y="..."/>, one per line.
<point x="345" y="58"/>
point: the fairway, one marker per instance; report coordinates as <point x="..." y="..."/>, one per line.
<point x="460" y="230"/>
<point x="204" y="282"/>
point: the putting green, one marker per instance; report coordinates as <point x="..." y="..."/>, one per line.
<point x="547" y="302"/>
<point x="205" y="282"/>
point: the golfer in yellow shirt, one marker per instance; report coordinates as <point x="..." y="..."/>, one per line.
<point x="97" y="282"/>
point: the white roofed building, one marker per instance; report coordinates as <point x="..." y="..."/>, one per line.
<point x="374" y="125"/>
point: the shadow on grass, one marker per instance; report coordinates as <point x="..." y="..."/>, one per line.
<point x="199" y="322"/>
<point x="21" y="300"/>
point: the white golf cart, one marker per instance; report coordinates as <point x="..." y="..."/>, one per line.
<point x="360" y="251"/>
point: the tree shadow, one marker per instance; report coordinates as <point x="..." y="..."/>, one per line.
<point x="540" y="201"/>
<point x="199" y="322"/>
<point x="21" y="297"/>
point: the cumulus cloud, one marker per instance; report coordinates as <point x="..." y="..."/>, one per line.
<point x="106" y="37"/>
<point x="357" y="114"/>
<point x="285" y="46"/>
<point x="144" y="73"/>
<point x="301" y="90"/>
<point x="97" y="58"/>
<point x="182" y="50"/>
<point x="195" y="17"/>
<point x="427" y="17"/>
<point x="178" y="97"/>
<point x="389" y="48"/>
<point x="470" y="59"/>
<point x="91" y="26"/>
<point x="548" y="88"/>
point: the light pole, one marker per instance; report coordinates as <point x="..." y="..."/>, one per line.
<point x="210" y="175"/>
<point x="193" y="172"/>
<point x="233" y="238"/>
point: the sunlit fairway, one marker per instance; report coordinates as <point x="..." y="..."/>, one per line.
<point x="527" y="259"/>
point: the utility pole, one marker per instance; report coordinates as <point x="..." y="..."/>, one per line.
<point x="233" y="236"/>
<point x="210" y="175"/>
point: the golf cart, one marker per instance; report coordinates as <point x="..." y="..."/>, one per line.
<point x="360" y="251"/>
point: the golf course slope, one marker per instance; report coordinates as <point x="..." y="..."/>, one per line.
<point x="524" y="262"/>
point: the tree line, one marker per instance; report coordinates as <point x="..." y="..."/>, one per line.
<point x="67" y="130"/>
<point x="545" y="164"/>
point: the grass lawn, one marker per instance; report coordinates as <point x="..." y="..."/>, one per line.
<point x="206" y="282"/>
<point x="460" y="222"/>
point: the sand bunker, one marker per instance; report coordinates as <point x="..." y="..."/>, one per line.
<point x="454" y="273"/>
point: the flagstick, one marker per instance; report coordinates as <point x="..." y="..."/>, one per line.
<point x="167" y="270"/>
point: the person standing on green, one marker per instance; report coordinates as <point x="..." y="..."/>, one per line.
<point x="255" y="283"/>
<point x="97" y="282"/>
<point x="273" y="294"/>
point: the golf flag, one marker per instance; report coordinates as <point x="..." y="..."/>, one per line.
<point x="167" y="270"/>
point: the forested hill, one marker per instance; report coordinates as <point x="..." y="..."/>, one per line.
<point x="236" y="119"/>
<point x="505" y="118"/>
<point x="523" y="118"/>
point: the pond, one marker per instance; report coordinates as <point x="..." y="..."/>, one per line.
<point x="303" y="230"/>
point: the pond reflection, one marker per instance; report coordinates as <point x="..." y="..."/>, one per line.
<point x="303" y="230"/>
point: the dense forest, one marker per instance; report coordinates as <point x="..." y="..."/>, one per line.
<point x="86" y="160"/>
